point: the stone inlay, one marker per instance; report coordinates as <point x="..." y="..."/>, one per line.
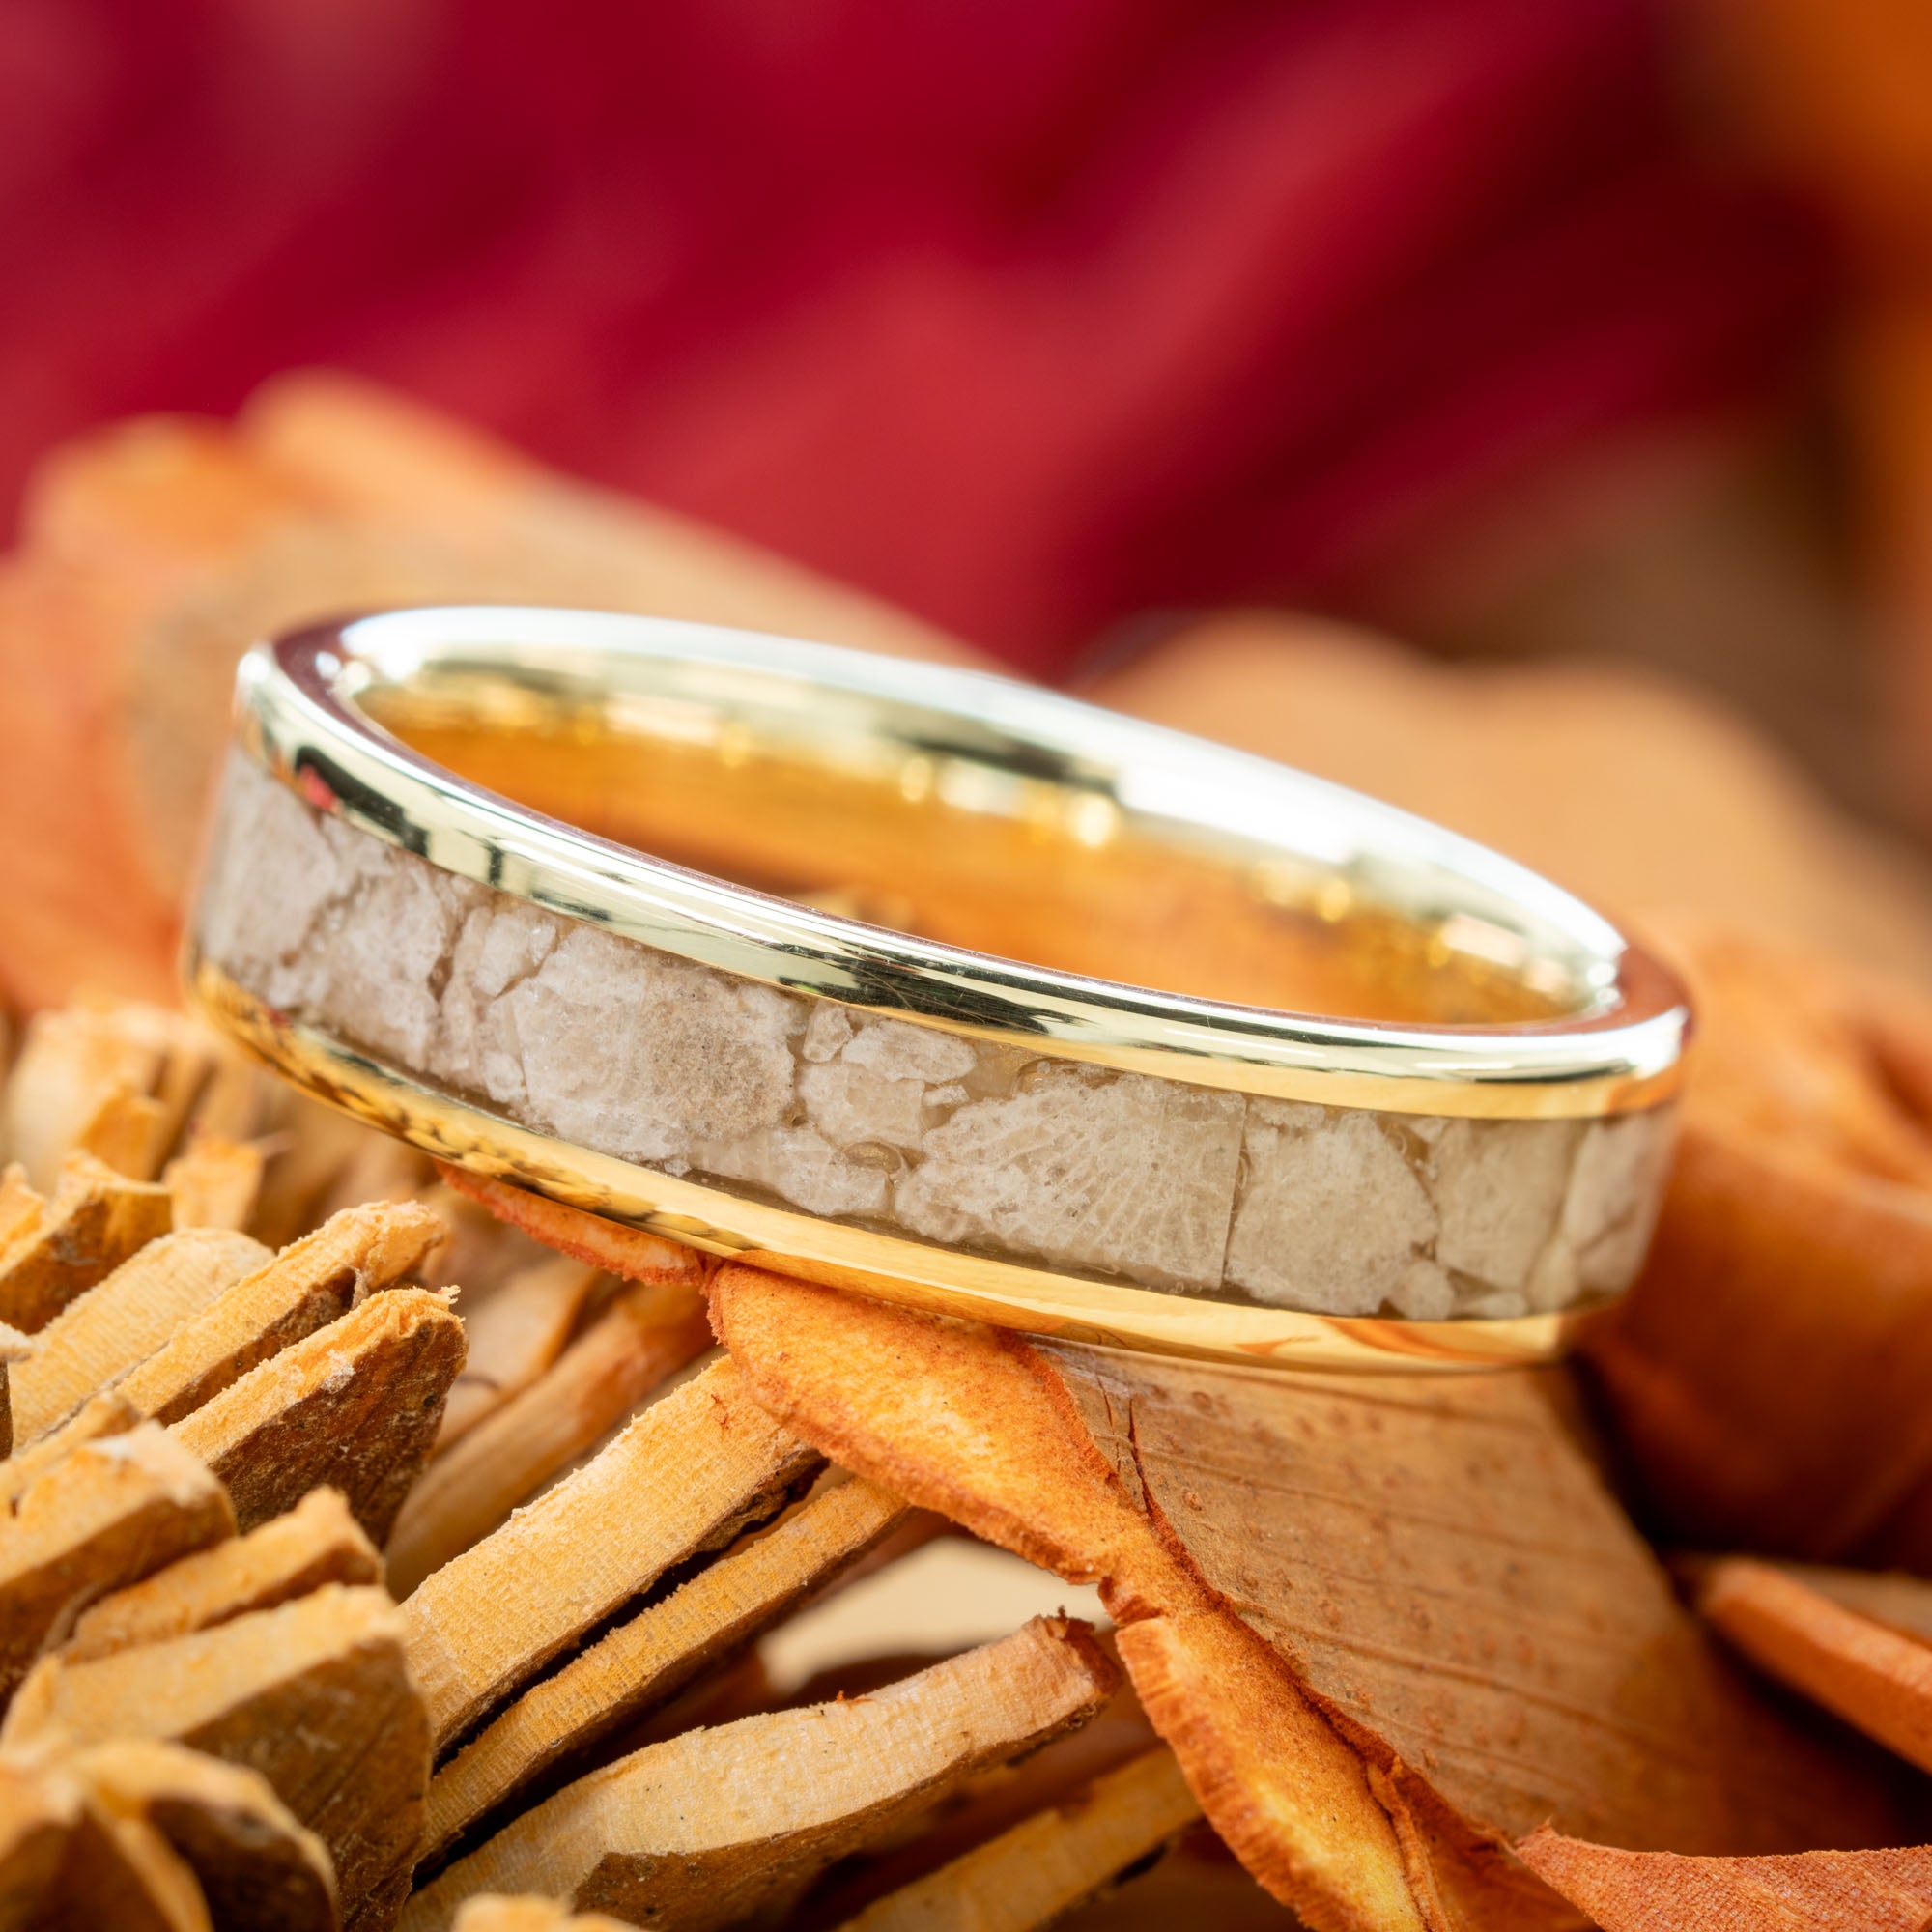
<point x="571" y="1030"/>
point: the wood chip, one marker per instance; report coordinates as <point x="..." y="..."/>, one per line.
<point x="1873" y="1676"/>
<point x="515" y="1332"/>
<point x="355" y="1406"/>
<point x="121" y="1871"/>
<point x="257" y="1867"/>
<point x="110" y="1414"/>
<point x="698" y="1831"/>
<point x="495" y="1911"/>
<point x="38" y="1810"/>
<point x="1661" y="1891"/>
<point x="94" y="1221"/>
<point x="316" y="1543"/>
<point x="641" y="1664"/>
<point x="105" y="1516"/>
<point x="1056" y="1860"/>
<point x="114" y="1327"/>
<point x="216" y="1183"/>
<point x="645" y="1334"/>
<point x="585" y="1238"/>
<point x="1339" y="1734"/>
<point x="314" y="1694"/>
<point x="112" y="1079"/>
<point x="687" y="1476"/>
<point x="307" y="1285"/>
<point x="14" y="1350"/>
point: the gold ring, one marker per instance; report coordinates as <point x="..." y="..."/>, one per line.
<point x="937" y="987"/>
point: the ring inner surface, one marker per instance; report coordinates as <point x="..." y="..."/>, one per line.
<point x="927" y="824"/>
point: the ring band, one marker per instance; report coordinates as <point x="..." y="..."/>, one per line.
<point x="908" y="1016"/>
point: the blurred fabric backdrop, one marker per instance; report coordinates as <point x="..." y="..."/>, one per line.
<point x="1514" y="326"/>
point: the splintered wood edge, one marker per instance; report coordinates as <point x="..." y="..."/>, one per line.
<point x="585" y="1238"/>
<point x="316" y="1543"/>
<point x="1052" y="1862"/>
<point x="1290" y="1794"/>
<point x="109" y="1414"/>
<point x="355" y="1404"/>
<point x="257" y="1865"/>
<point x="631" y="1838"/>
<point x="648" y="1332"/>
<point x="1872" y="1675"/>
<point x="1663" y="1892"/>
<point x="643" y="1662"/>
<point x="92" y="1222"/>
<point x="705" y="1457"/>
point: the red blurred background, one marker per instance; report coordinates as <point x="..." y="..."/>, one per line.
<point x="1048" y="319"/>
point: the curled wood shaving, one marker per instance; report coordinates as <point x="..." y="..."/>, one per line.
<point x="1802" y="1891"/>
<point x="1872" y="1675"/>
<point x="585" y="1238"/>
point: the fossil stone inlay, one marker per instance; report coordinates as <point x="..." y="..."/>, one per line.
<point x="571" y="1030"/>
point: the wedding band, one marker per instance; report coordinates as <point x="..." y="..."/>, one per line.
<point x="937" y="987"/>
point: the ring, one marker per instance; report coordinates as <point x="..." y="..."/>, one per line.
<point x="937" y="987"/>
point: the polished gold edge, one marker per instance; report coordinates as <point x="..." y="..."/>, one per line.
<point x="886" y="1268"/>
<point x="1195" y="1053"/>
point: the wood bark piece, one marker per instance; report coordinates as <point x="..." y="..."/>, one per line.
<point x="314" y="1694"/>
<point x="585" y="1238"/>
<point x="1410" y="1596"/>
<point x="355" y="1406"/>
<point x="515" y="1333"/>
<point x="1873" y="1676"/>
<point x="1803" y="1892"/>
<point x="698" y="1831"/>
<point x="258" y="1869"/>
<point x="687" y="1476"/>
<point x="118" y="1325"/>
<point x="40" y="1808"/>
<point x="645" y="1334"/>
<point x="316" y="1543"/>
<point x="215" y="1183"/>
<point x="104" y="1516"/>
<point x="642" y="1662"/>
<point x="307" y="1285"/>
<point x="110" y="1414"/>
<point x="95" y="1220"/>
<point x="1052" y="1862"/>
<point x="496" y="1912"/>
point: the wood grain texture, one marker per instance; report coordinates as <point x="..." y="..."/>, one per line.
<point x="688" y="1475"/>
<point x="1803" y="1892"/>
<point x="92" y="1222"/>
<point x="695" y="1832"/>
<point x="648" y="1332"/>
<point x="316" y="1543"/>
<point x="1411" y="1598"/>
<point x="115" y="1326"/>
<point x="310" y="1283"/>
<point x="314" y="1694"/>
<point x="638" y="1665"/>
<point x="103" y="1517"/>
<point x="355" y="1406"/>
